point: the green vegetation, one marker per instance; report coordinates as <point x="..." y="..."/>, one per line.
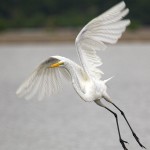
<point x="64" y="13"/>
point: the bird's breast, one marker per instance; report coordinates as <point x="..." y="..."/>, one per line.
<point x="93" y="90"/>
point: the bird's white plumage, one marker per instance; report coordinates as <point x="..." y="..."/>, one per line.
<point x="44" y="80"/>
<point x="106" y="28"/>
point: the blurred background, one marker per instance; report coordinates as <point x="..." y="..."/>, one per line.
<point x="49" y="20"/>
<point x="33" y="30"/>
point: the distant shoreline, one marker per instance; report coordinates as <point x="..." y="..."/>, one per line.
<point x="64" y="35"/>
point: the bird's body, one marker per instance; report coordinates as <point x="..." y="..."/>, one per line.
<point x="86" y="79"/>
<point x="87" y="88"/>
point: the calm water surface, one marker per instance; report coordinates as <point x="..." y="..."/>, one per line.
<point x="64" y="121"/>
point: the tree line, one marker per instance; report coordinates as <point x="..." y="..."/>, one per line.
<point x="65" y="13"/>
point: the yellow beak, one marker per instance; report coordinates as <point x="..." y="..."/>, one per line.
<point x="56" y="65"/>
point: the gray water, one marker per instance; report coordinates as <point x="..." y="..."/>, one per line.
<point x="64" y="121"/>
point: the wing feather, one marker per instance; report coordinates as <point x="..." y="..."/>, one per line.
<point x="44" y="80"/>
<point x="106" y="28"/>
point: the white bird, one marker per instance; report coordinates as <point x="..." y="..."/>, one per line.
<point x="86" y="79"/>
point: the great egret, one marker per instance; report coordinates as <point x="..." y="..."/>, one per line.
<point x="86" y="79"/>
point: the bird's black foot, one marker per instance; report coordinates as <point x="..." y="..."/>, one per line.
<point x="123" y="144"/>
<point x="137" y="139"/>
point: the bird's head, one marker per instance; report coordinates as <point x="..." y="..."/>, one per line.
<point x="55" y="62"/>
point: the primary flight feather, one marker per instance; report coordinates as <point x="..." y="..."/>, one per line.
<point x="47" y="78"/>
<point x="106" y="28"/>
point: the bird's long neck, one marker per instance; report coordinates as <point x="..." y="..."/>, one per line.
<point x="77" y="77"/>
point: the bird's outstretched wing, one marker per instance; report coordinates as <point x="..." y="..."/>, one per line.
<point x="106" y="28"/>
<point x="44" y="80"/>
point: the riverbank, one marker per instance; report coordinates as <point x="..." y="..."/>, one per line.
<point x="64" y="35"/>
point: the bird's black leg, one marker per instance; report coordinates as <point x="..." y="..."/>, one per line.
<point x="120" y="139"/>
<point x="135" y="136"/>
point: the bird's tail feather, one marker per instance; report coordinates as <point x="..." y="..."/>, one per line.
<point x="105" y="81"/>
